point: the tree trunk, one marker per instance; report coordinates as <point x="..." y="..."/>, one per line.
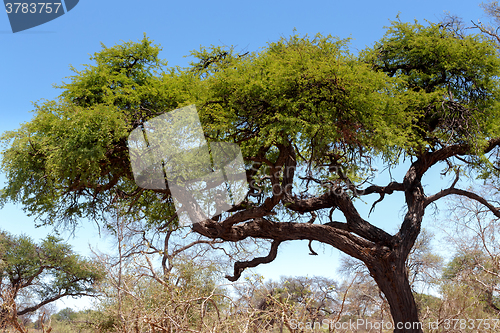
<point x="391" y="277"/>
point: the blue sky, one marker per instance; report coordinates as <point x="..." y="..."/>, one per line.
<point x="33" y="60"/>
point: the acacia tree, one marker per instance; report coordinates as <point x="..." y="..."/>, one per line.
<point x="310" y="119"/>
<point x="41" y="274"/>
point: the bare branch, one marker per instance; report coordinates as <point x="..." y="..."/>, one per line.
<point x="382" y="195"/>
<point x="240" y="266"/>
<point x="464" y="193"/>
<point x="50" y="300"/>
<point x="313" y="253"/>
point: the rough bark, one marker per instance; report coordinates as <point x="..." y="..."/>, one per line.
<point x="389" y="272"/>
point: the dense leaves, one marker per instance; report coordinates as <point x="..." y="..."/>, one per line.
<point x="419" y="88"/>
<point x="455" y="77"/>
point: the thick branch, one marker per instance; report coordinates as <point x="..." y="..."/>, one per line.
<point x="431" y="158"/>
<point x="389" y="189"/>
<point x="414" y="197"/>
<point x="355" y="222"/>
<point x="49" y="300"/>
<point x="283" y="231"/>
<point x="464" y="193"/>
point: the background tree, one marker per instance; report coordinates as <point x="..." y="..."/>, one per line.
<point x="46" y="272"/>
<point x="66" y="314"/>
<point x="309" y="117"/>
<point x="474" y="237"/>
<point x="275" y="305"/>
<point x="181" y="291"/>
<point x="489" y="29"/>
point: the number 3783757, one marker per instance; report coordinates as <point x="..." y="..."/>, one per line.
<point x="32" y="8"/>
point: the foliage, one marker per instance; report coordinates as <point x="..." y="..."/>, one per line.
<point x="68" y="320"/>
<point x="44" y="272"/>
<point x="327" y="102"/>
<point x="66" y="314"/>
